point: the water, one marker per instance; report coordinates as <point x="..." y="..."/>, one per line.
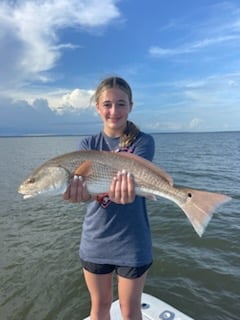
<point x="40" y="274"/>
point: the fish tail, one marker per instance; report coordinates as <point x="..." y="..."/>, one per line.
<point x="199" y="207"/>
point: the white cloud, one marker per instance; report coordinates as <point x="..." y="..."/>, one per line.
<point x="30" y="47"/>
<point x="194" y="104"/>
<point x="76" y="100"/>
<point x="195" y="123"/>
<point x="194" y="46"/>
<point x="29" y="43"/>
<point x="62" y="100"/>
<point x="220" y="28"/>
<point x="21" y="117"/>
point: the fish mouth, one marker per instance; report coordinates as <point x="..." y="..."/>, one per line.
<point x="28" y="196"/>
<point x="25" y="194"/>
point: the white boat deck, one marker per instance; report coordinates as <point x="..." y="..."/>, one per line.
<point x="152" y="309"/>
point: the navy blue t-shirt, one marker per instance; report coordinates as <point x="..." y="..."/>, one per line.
<point x="114" y="233"/>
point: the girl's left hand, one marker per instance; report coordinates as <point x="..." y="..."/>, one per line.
<point x="122" y="189"/>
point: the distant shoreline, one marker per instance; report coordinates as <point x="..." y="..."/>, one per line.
<point x="43" y="135"/>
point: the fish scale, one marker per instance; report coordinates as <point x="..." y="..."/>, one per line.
<point x="101" y="178"/>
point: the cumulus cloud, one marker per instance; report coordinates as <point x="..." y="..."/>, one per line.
<point x="29" y="42"/>
<point x="20" y="117"/>
<point x="75" y="100"/>
<point x="30" y="47"/>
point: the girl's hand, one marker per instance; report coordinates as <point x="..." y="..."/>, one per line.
<point x="77" y="191"/>
<point x="122" y="189"/>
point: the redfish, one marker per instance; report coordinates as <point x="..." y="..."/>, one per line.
<point x="98" y="169"/>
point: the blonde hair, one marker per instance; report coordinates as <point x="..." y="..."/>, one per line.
<point x="131" y="131"/>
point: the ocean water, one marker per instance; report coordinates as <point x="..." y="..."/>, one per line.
<point x="40" y="274"/>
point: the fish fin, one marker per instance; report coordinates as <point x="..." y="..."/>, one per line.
<point x="199" y="207"/>
<point x="151" y="197"/>
<point x="85" y="169"/>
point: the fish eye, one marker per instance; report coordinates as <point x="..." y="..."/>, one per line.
<point x="31" y="180"/>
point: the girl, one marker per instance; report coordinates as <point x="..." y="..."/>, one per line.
<point x="116" y="235"/>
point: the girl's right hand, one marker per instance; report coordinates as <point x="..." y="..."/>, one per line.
<point x="77" y="191"/>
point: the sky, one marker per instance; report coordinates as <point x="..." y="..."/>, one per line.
<point x="181" y="58"/>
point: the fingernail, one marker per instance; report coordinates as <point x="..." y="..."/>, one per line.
<point x="75" y="178"/>
<point x="80" y="178"/>
<point x="124" y="171"/>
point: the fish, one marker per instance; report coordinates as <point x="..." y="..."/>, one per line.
<point x="98" y="168"/>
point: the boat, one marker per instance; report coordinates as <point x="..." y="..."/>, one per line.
<point x="152" y="309"/>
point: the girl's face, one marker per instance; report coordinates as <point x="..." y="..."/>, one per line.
<point x="113" y="105"/>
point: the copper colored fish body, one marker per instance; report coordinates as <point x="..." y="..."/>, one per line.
<point x="98" y="169"/>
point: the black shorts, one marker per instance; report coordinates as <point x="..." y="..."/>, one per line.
<point x="122" y="271"/>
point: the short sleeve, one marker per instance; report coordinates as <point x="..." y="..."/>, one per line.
<point x="145" y="146"/>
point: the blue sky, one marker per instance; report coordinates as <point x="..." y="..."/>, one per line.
<point x="181" y="58"/>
